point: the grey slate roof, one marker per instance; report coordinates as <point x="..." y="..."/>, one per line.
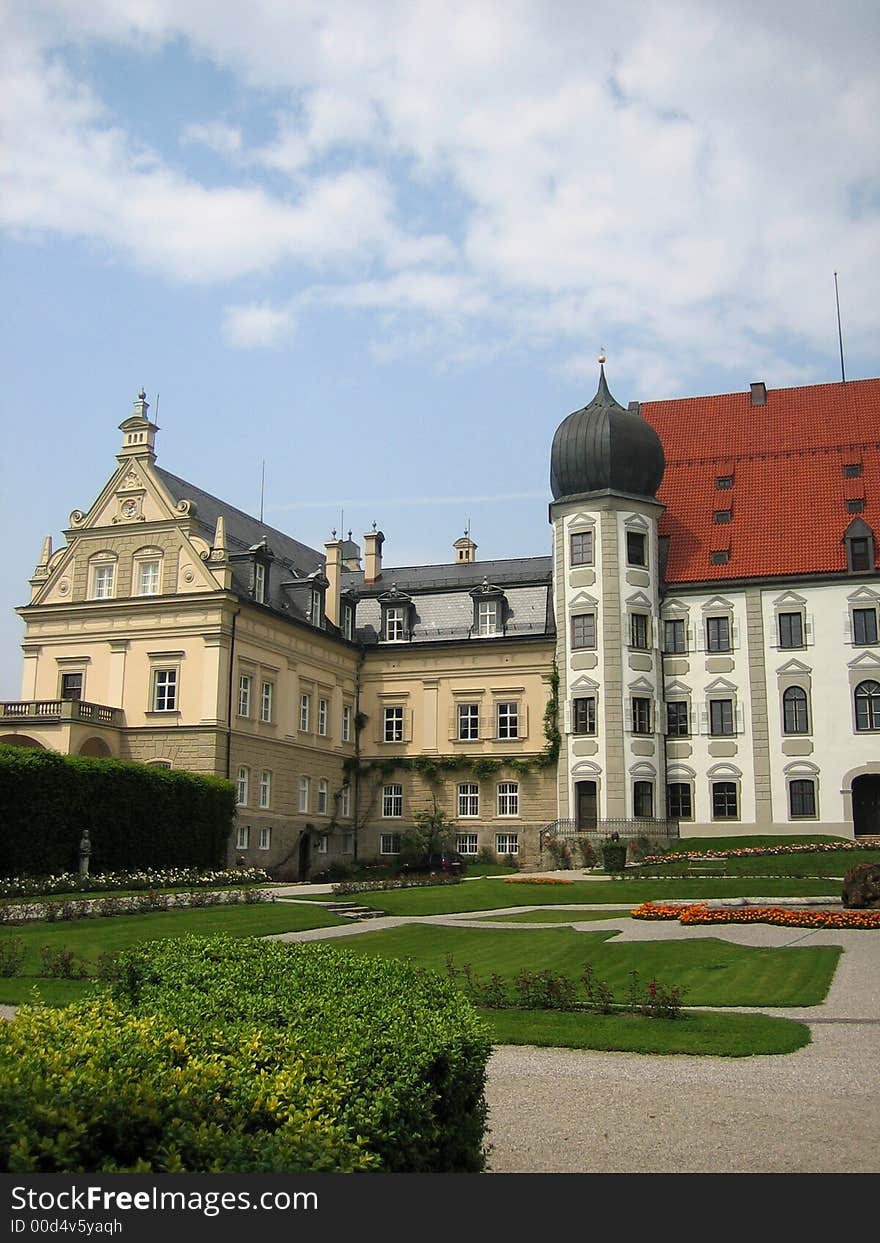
<point x="461" y="575"/>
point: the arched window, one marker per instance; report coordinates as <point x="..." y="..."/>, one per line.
<point x="867" y="698"/>
<point x="795" y="716"/>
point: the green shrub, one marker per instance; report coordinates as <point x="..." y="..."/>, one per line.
<point x="12" y="950"/>
<point x="137" y="815"/>
<point x="90" y="1088"/>
<point x="614" y="856"/>
<point x="413" y="1048"/>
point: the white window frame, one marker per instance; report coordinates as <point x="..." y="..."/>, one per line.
<point x="265" y="789"/>
<point x="345" y="802"/>
<point x="488" y="617"/>
<point x="392" y="802"/>
<point x="389" y="843"/>
<point x="303" y="798"/>
<point x="103" y="580"/>
<point x="242" y="837"/>
<point x="392" y="723"/>
<point x="346" y="722"/>
<point x="319" y="844"/>
<point x="508" y="798"/>
<point x="245" y="686"/>
<point x="468" y="797"/>
<point x="305" y="712"/>
<point x="267" y="696"/>
<point x="467" y="844"/>
<point x="265" y="839"/>
<point x="467" y="722"/>
<point x="259" y="582"/>
<point x="153" y="567"/>
<point x="506" y="844"/>
<point x="242" y="784"/>
<point x="394" y="623"/>
<point x="323" y="712"/>
<point x="323" y="790"/>
<point x="164" y="680"/>
<point x="507" y="720"/>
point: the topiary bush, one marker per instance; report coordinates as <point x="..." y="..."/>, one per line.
<point x="861" y="887"/>
<point x="614" y="856"/>
<point x="90" y="1088"/>
<point x="412" y="1048"/>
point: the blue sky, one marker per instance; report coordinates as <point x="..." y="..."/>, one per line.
<point x="379" y="244"/>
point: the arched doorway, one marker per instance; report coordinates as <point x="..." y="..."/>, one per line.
<point x="866" y="805"/>
<point x="20" y="740"/>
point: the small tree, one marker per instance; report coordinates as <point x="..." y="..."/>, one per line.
<point x="431" y="833"/>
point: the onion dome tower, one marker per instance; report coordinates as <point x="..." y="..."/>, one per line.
<point x="606" y="465"/>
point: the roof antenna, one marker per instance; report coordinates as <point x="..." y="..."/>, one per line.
<point x="262" y="488"/>
<point x="839" y="333"/>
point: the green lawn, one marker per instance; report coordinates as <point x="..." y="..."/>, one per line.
<point x="552" y="916"/>
<point x="695" y="1032"/>
<point x="491" y="894"/>
<point x="89" y="938"/>
<point x="714" y="972"/>
<point x="834" y="864"/>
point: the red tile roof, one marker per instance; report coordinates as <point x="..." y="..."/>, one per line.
<point x="789" y="496"/>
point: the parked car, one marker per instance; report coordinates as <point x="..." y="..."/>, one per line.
<point x="448" y="861"/>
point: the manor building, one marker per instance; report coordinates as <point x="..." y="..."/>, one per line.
<point x="699" y="650"/>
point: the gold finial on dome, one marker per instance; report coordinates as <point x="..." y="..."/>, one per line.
<point x="602" y="354"/>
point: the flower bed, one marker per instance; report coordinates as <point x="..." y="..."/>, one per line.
<point x="128" y="904"/>
<point x="537" y="880"/>
<point x="148" y="878"/>
<point x="742" y="852"/>
<point x="346" y="888"/>
<point x="700" y="913"/>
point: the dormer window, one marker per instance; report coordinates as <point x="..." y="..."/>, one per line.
<point x="396" y="615"/>
<point x="859" y="540"/>
<point x="316" y="607"/>
<point x="347" y="621"/>
<point x="259" y="582"/>
<point x="488" y="610"/>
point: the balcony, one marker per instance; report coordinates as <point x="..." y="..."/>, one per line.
<point x="54" y="711"/>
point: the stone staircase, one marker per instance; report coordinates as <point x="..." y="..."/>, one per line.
<point x="351" y="910"/>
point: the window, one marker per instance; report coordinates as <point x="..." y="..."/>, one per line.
<point x="265" y="789"/>
<point x="392" y="803"/>
<point x="241" y="786"/>
<point x="508" y="800"/>
<point x="316" y="608"/>
<point x="389" y="844"/>
<point x="320" y="845"/>
<point x="164" y="690"/>
<point x="583" y="715"/>
<point x="102" y="582"/>
<point x="720" y="557"/>
<point x="304" y="794"/>
<point x="345" y="802"/>
<point x="674" y="636"/>
<point x="641" y="715"/>
<point x="508" y="720"/>
<point x="583" y="630"/>
<point x="856" y="505"/>
<point x="678" y="718"/>
<point x="636" y="545"/>
<point x="322" y="797"/>
<point x="259" y="582"/>
<point x="346" y="722"/>
<point x="724" y="800"/>
<point x="867" y="699"/>
<point x="802" y="798"/>
<point x="469" y="799"/>
<point x="305" y="709"/>
<point x="466" y="844"/>
<point x="859" y="553"/>
<point x="643" y="798"/>
<point x="265" y="838"/>
<point x="148" y="578"/>
<point x="852" y="470"/>
<point x="718" y="634"/>
<point x="468" y="722"/>
<point x="638" y="631"/>
<point x="721" y="717"/>
<point x="489" y="617"/>
<point x="392" y="729"/>
<point x="322" y="717"/>
<point x="347" y="621"/>
<point x="242" y="837"/>
<point x="348" y="843"/>
<point x="721" y="516"/>
<point x="795" y="716"/>
<point x="581" y="546"/>
<point x="395" y="624"/>
<point x="71" y="685"/>
<point x="679" y="801"/>
<point x="266" y="695"/>
<point x="723" y="481"/>
<point x="791" y="630"/>
<point x="864" y="626"/>
<point x="244" y="695"/>
<point x="507" y="843"/>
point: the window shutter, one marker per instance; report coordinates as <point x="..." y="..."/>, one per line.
<point x="700" y="637"/>
<point x="740" y="719"/>
<point x="808" y="628"/>
<point x="567" y="716"/>
<point x="693" y="719"/>
<point x="691" y="639"/>
<point x="486" y="727"/>
<point x="663" y="721"/>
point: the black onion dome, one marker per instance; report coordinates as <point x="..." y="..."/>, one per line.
<point x="605" y="448"/>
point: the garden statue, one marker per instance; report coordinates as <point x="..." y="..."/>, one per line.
<point x="85" y="849"/>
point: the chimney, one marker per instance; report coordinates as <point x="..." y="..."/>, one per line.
<point x="373" y="541"/>
<point x="332" y="571"/>
<point x="759" y="393"/>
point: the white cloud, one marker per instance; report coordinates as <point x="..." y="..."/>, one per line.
<point x="257" y="326"/>
<point x="215" y="135"/>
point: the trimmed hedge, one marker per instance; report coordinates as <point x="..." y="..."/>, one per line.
<point x="413" y="1048"/>
<point x="137" y="816"/>
<point x="91" y="1088"/>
